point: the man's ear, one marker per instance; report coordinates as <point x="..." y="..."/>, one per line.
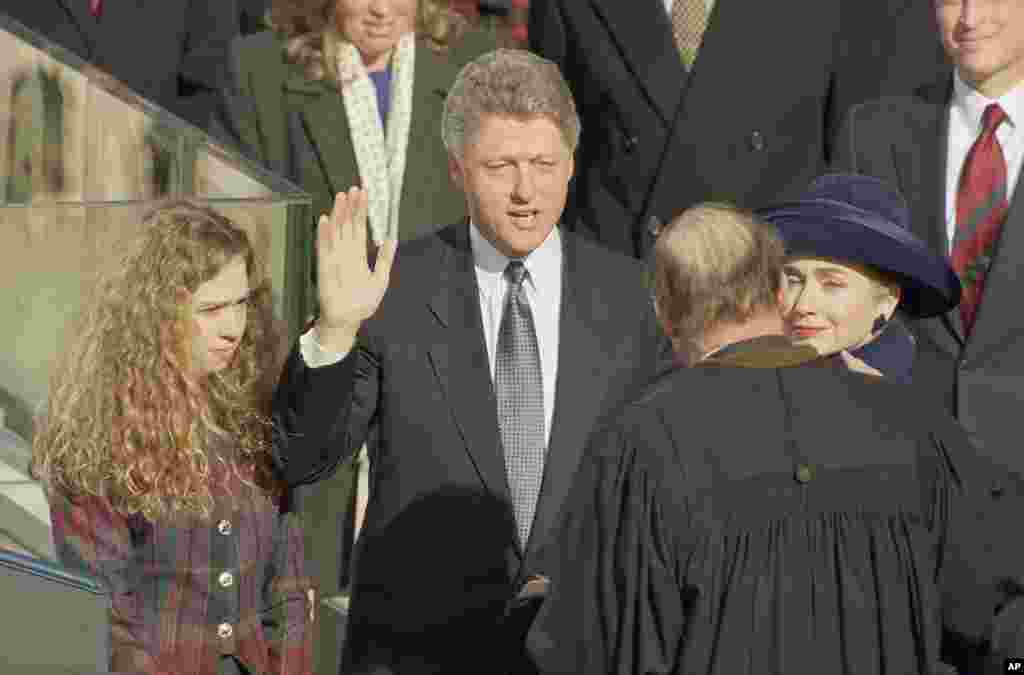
<point x="455" y="172"/>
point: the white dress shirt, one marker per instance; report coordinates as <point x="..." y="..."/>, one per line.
<point x="965" y="112"/>
<point x="543" y="290"/>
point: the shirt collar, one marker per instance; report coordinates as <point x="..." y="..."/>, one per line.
<point x="544" y="263"/>
<point x="970" y="104"/>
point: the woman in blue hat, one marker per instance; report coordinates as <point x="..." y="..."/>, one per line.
<point x="852" y="262"/>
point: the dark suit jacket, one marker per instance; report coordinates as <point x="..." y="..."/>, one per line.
<point x="980" y="380"/>
<point x="750" y="123"/>
<point x="172" y="52"/>
<point x="439" y="561"/>
<point x="904" y="140"/>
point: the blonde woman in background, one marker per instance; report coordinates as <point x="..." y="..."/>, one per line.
<point x="350" y="92"/>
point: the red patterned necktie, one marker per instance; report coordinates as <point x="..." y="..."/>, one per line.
<point x="981" y="208"/>
<point x="96" y="7"/>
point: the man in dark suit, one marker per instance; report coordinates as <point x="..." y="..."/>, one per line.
<point x="171" y="52"/>
<point x="684" y="101"/>
<point x="932" y="146"/>
<point x="497" y="346"/>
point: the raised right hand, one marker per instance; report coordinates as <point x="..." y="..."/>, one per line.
<point x="349" y="290"/>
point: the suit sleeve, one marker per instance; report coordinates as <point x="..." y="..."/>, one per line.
<point x="981" y="559"/>
<point x="89" y="535"/>
<point x="322" y="415"/>
<point x="614" y="605"/>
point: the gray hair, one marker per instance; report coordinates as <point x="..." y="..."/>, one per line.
<point x="715" y="263"/>
<point x="510" y="82"/>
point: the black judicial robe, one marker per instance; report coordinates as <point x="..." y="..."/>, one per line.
<point x="789" y="520"/>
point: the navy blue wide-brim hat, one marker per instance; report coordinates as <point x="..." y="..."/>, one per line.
<point x="860" y="219"/>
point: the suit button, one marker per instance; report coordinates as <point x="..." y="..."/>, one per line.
<point x="226" y="579"/>
<point x="804" y="473"/>
<point x="224" y="527"/>
<point x="756" y="141"/>
<point x="225" y="631"/>
<point x="631" y="143"/>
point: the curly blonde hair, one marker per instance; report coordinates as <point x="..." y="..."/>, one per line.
<point x="307" y="27"/>
<point x="126" y="419"/>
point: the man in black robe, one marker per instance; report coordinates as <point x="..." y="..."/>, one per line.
<point x="769" y="511"/>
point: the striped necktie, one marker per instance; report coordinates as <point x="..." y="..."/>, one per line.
<point x="96" y="7"/>
<point x="981" y="208"/>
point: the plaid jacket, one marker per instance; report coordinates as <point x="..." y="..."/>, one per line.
<point x="185" y="595"/>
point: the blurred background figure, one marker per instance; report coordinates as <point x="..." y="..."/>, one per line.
<point x="35" y="137"/>
<point x="350" y="92"/>
<point x="507" y="19"/>
<point x="684" y="101"/>
<point x="851" y="263"/>
<point x="156" y="455"/>
<point x="171" y="52"/>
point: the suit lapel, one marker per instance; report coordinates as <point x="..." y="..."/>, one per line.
<point x="460" y="362"/>
<point x="920" y="160"/>
<point x="324" y="120"/>
<point x="579" y="391"/>
<point x="644" y="34"/>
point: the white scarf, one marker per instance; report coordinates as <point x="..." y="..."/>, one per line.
<point x="381" y="158"/>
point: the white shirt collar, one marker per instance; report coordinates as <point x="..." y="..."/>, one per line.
<point x="969" y="104"/>
<point x="544" y="263"/>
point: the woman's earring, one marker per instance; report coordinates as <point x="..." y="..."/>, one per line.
<point x="879" y="323"/>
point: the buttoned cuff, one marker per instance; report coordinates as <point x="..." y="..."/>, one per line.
<point x="314" y="355"/>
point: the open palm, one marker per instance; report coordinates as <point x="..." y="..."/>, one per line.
<point x="349" y="290"/>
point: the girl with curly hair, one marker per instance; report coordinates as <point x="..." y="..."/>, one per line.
<point x="156" y="453"/>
